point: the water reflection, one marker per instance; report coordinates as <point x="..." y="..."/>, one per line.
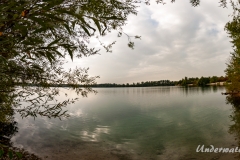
<point x="8" y="127"/>
<point x="161" y="90"/>
<point x="149" y="122"/>
<point x="234" y="129"/>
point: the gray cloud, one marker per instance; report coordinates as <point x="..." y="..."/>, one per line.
<point x="177" y="40"/>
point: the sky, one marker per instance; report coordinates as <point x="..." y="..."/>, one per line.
<point x="177" y="40"/>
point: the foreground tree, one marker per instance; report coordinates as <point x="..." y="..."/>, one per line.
<point x="233" y="67"/>
<point x="35" y="38"/>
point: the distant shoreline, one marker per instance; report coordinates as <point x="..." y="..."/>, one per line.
<point x="122" y="86"/>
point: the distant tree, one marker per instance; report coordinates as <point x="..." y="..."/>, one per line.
<point x="213" y="79"/>
<point x="203" y="81"/>
<point x="221" y="79"/>
<point x="184" y="82"/>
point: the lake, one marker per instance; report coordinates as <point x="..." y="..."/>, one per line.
<point x="134" y="123"/>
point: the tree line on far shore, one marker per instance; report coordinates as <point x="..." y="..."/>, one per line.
<point x="202" y="81"/>
<point x="138" y="84"/>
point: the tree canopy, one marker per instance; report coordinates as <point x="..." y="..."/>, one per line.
<point x="233" y="66"/>
<point x="35" y="38"/>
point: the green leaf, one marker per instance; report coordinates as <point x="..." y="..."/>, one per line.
<point x="113" y="18"/>
<point x="54" y="17"/>
<point x="62" y="11"/>
<point x="3" y="59"/>
<point x="10" y="154"/>
<point x="137" y="37"/>
<point x="1" y="152"/>
<point x="73" y="24"/>
<point x="85" y="29"/>
<point x="19" y="155"/>
<point x="70" y="53"/>
<point x="28" y="42"/>
<point x="54" y="42"/>
<point x="68" y="29"/>
<point x="97" y="24"/>
<point x="38" y="20"/>
<point x="53" y="4"/>
<point x="81" y="19"/>
<point x="50" y="57"/>
<point x="60" y="54"/>
<point x="131" y="45"/>
<point x="41" y="53"/>
<point x="42" y="29"/>
<point x="37" y="67"/>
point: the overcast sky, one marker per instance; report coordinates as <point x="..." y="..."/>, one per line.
<point x="177" y="40"/>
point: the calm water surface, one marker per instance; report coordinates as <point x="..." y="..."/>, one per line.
<point x="145" y="123"/>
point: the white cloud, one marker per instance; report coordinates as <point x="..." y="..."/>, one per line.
<point x="178" y="40"/>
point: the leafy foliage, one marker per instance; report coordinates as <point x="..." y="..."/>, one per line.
<point x="35" y="38"/>
<point x="202" y="81"/>
<point x="234" y="128"/>
<point x="138" y="84"/>
<point x="233" y="66"/>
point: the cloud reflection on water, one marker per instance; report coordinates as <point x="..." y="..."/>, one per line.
<point x="151" y="121"/>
